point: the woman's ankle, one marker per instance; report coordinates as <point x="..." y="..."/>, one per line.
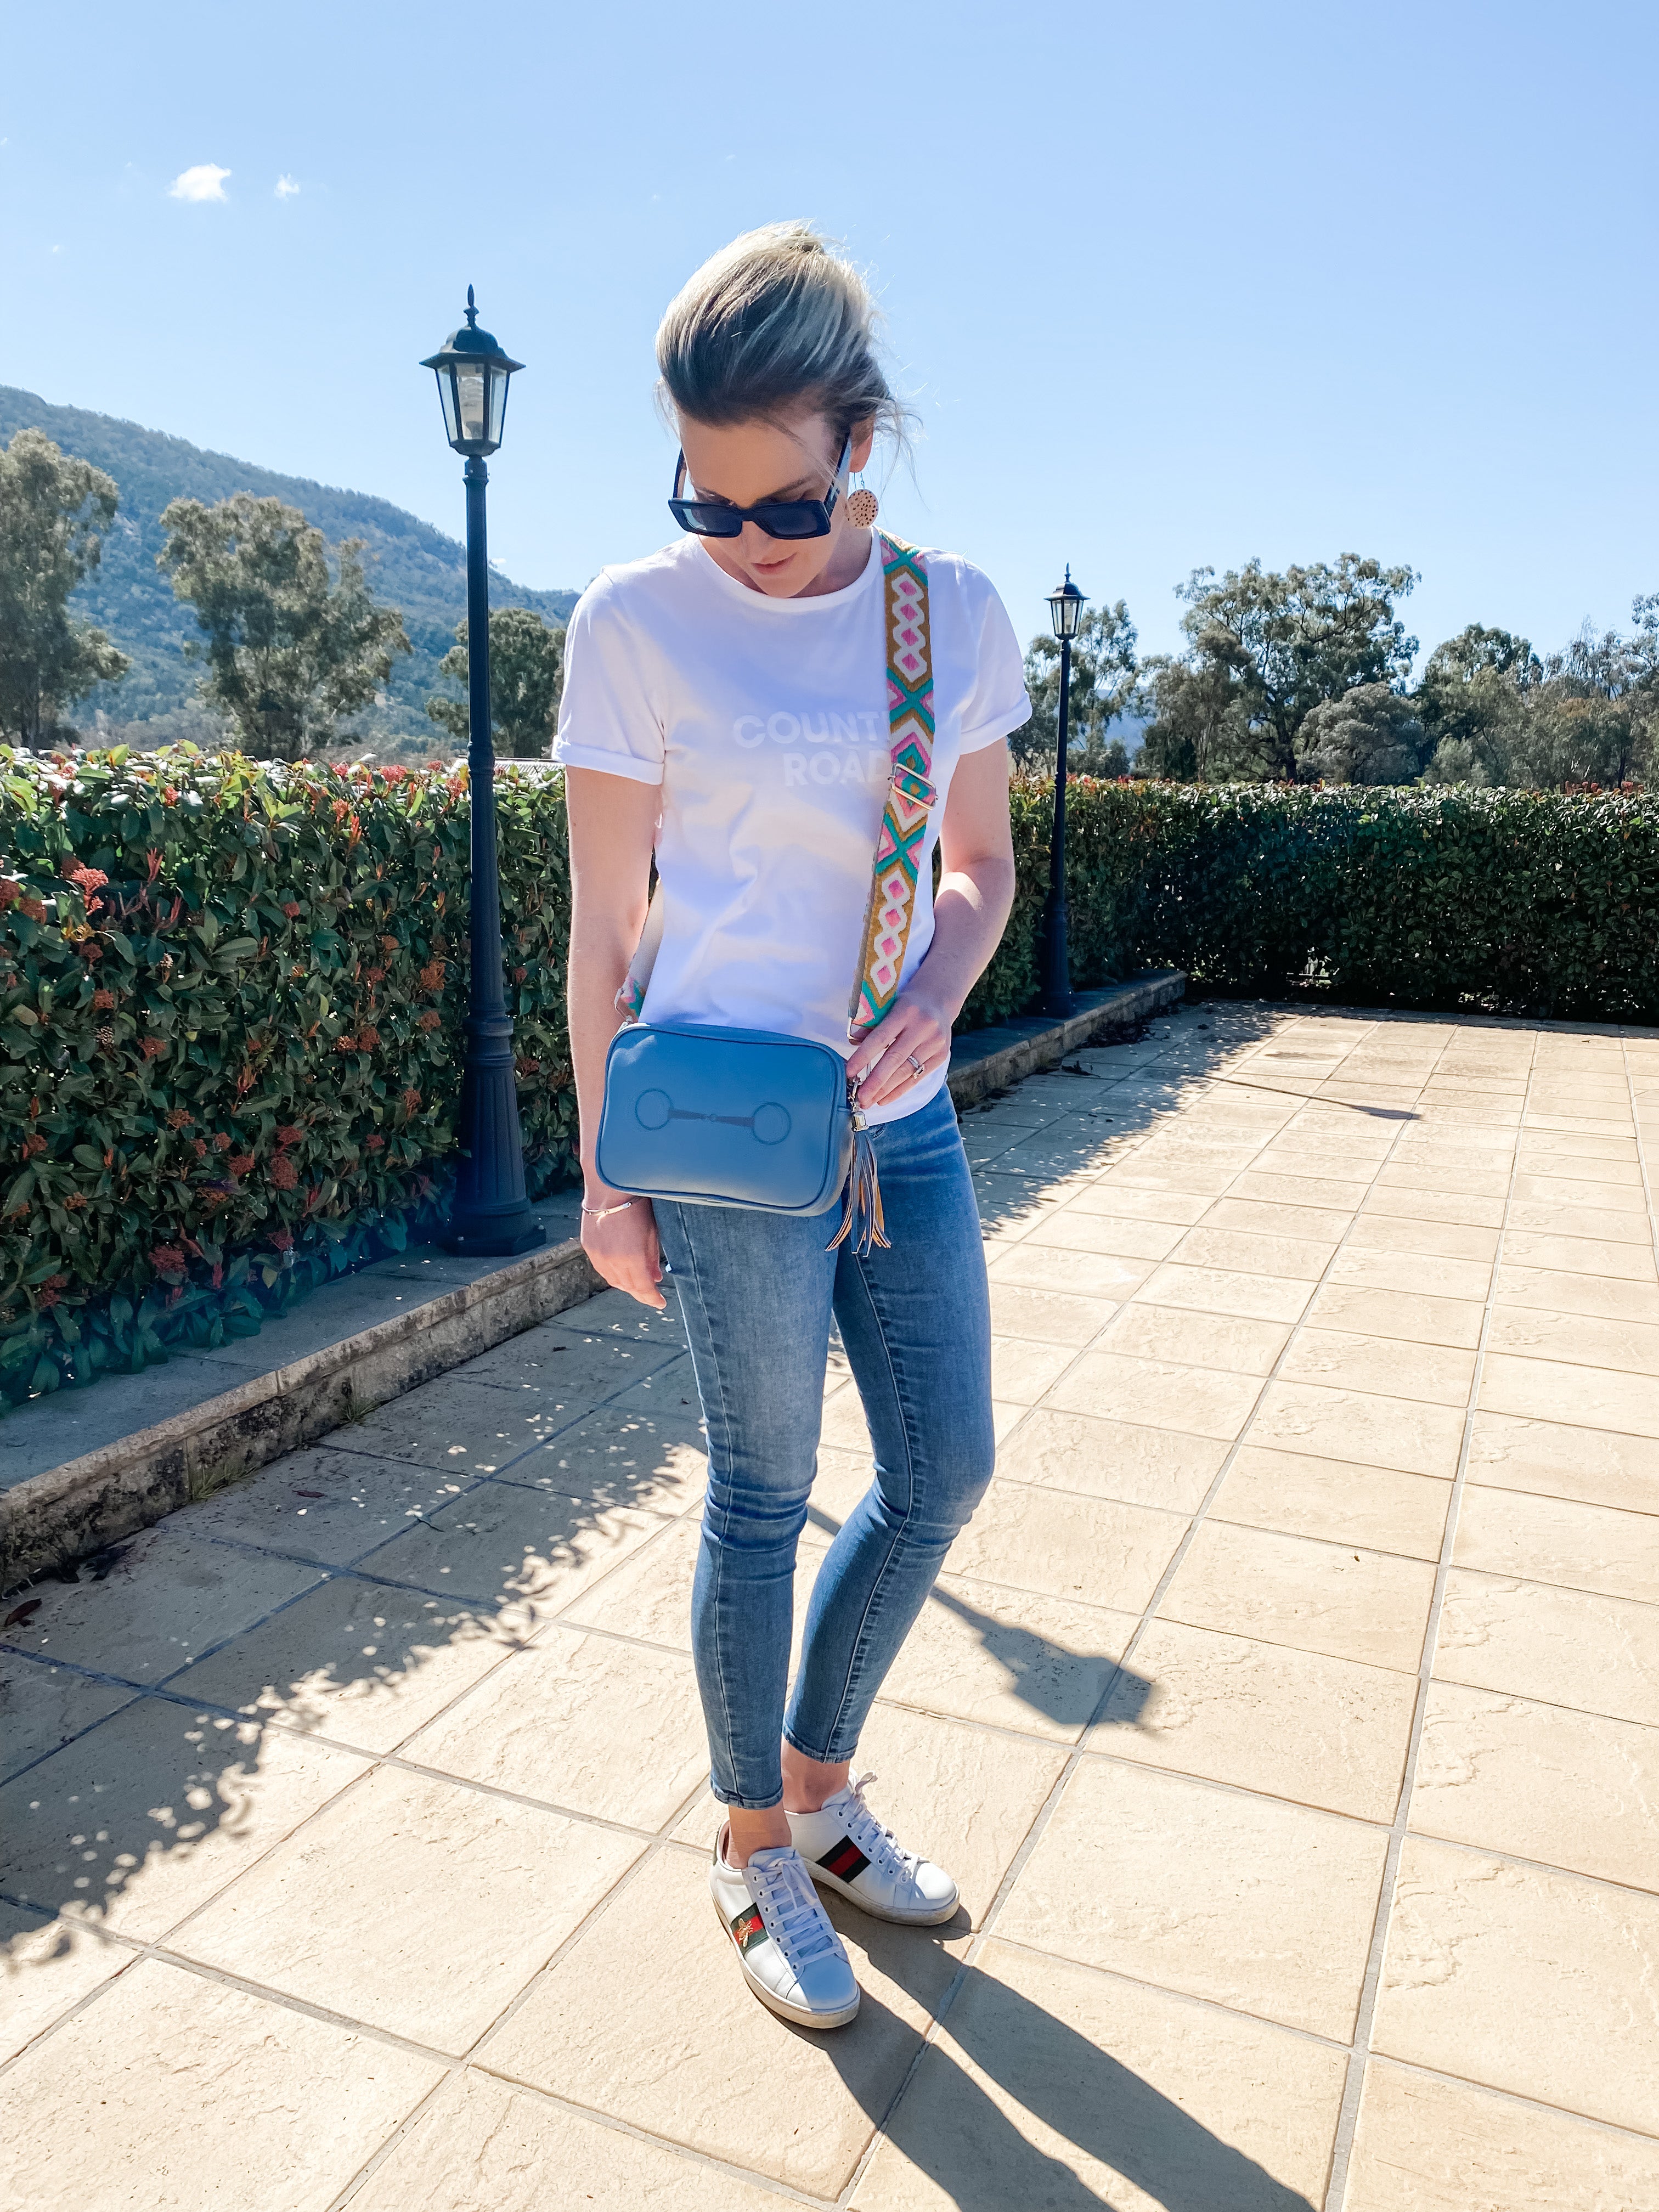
<point x="809" y="1783"/>
<point x="748" y="1831"/>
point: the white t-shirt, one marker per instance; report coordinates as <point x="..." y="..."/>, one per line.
<point x="765" y="722"/>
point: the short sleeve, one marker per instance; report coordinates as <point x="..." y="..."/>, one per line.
<point x="606" y="719"/>
<point x="996" y="703"/>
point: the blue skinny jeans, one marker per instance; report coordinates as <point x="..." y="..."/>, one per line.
<point x="758" y="1291"/>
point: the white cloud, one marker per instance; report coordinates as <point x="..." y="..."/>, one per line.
<point x="204" y="182"/>
<point x="286" y="188"/>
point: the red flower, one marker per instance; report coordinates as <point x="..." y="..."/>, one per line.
<point x="429" y="1020"/>
<point x="240" y="1163"/>
<point x="367" y="1037"/>
<point x="290" y="1133"/>
<point x="167" y="1260"/>
<point x="169" y="796"/>
<point x="283" y="1173"/>
<point x="75" y="1201"/>
<point x="179" y="1119"/>
<point x="221" y="1143"/>
<point x="33" y="908"/>
<point x="9" y="893"/>
<point x="376" y="1144"/>
<point x="103" y="1000"/>
<point x="199" y="1145"/>
<point x="32" y="1144"/>
<point x="292" y="910"/>
<point x="153" y="1046"/>
<point x="375" y="974"/>
<point x="518" y="975"/>
<point x="284" y="1240"/>
<point x="412" y="1099"/>
<point x="88" y="880"/>
<point x="345" y="1044"/>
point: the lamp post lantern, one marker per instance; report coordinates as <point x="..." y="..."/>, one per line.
<point x="1066" y="605"/>
<point x="491" y="1214"/>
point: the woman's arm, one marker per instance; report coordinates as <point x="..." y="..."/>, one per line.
<point x="970" y="910"/>
<point x="613" y="820"/>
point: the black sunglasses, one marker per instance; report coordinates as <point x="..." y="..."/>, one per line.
<point x="778" y="517"/>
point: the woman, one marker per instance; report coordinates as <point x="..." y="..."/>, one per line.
<point x="726" y="702"/>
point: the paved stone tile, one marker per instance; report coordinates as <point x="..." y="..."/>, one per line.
<point x="653" y="1458"/>
<point x="330" y="1504"/>
<point x="170" y="1596"/>
<point x="463" y="1428"/>
<point x="1275" y="1190"/>
<point x="1529" y="1331"/>
<point x="1257" y="1904"/>
<point x="1127" y="1203"/>
<point x="1541" y="1782"/>
<point x="1021" y="1371"/>
<point x="585" y="1722"/>
<point x="47" y="1966"/>
<point x="1372" y="1607"/>
<point x="1415" y="1272"/>
<point x="1481" y="1952"/>
<point x="1146" y="1331"/>
<point x="1619" y="1187"/>
<point x="1009" y="1658"/>
<point x="1157" y="1393"/>
<point x="1405" y="1203"/>
<point x="1063" y="1545"/>
<point x="1553" y="1540"/>
<point x="1426" y="2145"/>
<point x="1298" y="1259"/>
<point x="1417" y="1175"/>
<point x="1359" y="1425"/>
<point x="174" y="2090"/>
<point x="1555" y="1389"/>
<point x="1290" y="1723"/>
<point x="1047" y="1316"/>
<point x="595" y="2031"/>
<point x="362" y="1662"/>
<point x="1580" y="1255"/>
<point x="1374" y="1506"/>
<point x="1411" y="1318"/>
<point x="1052" y="2084"/>
<point x="1083" y="1275"/>
<point x="1143" y="1466"/>
<point x="1562" y="1645"/>
<point x="1440" y="1240"/>
<point x="1345" y="1359"/>
<point x="143" y="1818"/>
<point x="1599" y="1466"/>
<point x="482" y="2145"/>
<point x="1073" y="1231"/>
<point x="43" y="1706"/>
<point x="1228" y="1291"/>
<point x="453" y="1897"/>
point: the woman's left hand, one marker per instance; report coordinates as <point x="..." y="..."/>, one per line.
<point x="903" y="1047"/>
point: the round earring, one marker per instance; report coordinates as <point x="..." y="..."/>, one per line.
<point x="862" y="508"/>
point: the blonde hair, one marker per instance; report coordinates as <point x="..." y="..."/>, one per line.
<point x="776" y="321"/>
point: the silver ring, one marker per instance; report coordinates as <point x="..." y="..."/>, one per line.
<point x="920" y="1066"/>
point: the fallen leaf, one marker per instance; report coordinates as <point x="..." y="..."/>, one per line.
<point x="20" y="1613"/>
<point x="309" y="1493"/>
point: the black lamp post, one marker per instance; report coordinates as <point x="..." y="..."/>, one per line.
<point x="491" y="1214"/>
<point x="1066" y="605"/>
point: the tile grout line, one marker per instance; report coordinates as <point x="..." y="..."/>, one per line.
<point x="1371" y="1988"/>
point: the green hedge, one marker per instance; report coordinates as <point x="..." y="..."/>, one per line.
<point x="230" y="1005"/>
<point x="1508" y="901"/>
<point x="231" y="996"/>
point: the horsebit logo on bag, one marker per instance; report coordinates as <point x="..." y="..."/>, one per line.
<point x="910" y="795"/>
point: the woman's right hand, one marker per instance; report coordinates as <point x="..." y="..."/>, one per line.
<point x="622" y="1244"/>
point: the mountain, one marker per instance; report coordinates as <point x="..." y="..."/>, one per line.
<point x="410" y="565"/>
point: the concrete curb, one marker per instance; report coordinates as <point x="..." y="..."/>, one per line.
<point x="68" y="1511"/>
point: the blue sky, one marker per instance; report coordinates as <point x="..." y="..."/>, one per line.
<point x="1168" y="285"/>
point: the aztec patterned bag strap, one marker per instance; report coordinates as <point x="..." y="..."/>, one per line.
<point x="910" y="796"/>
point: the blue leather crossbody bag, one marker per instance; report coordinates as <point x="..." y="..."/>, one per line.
<point x="746" y="1117"/>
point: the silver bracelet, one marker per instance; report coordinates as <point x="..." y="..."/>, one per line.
<point x="599" y="1212"/>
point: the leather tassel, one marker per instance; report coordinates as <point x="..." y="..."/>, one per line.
<point x="861" y="1217"/>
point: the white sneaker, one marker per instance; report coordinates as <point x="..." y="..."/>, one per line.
<point x="792" y="1958"/>
<point x="848" y="1849"/>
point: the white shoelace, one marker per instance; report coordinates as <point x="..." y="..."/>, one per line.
<point x="789" y="1906"/>
<point x="872" y="1835"/>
